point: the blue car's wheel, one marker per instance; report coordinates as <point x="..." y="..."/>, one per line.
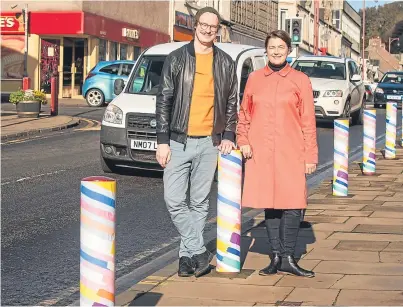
<point x="95" y="97"/>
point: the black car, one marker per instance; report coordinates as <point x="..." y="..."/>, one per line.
<point x="390" y="88"/>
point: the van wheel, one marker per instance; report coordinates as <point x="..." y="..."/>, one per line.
<point x="95" y="98"/>
<point x="107" y="165"/>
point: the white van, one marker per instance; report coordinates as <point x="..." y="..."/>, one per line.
<point x="128" y="136"/>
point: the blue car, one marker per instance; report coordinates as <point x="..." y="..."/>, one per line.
<point x="390" y="88"/>
<point x="98" y="86"/>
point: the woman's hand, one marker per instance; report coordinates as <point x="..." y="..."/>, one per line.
<point x="310" y="168"/>
<point x="246" y="151"/>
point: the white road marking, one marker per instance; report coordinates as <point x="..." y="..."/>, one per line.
<point x="33" y="177"/>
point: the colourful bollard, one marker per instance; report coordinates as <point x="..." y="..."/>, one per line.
<point x="391" y="117"/>
<point x="97" y="241"/>
<point x="369" y="157"/>
<point x="340" y="170"/>
<point x="229" y="212"/>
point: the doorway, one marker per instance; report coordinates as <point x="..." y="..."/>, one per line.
<point x="73" y="66"/>
<point x="50" y="56"/>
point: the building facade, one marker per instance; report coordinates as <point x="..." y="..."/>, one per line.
<point x="351" y="31"/>
<point x="68" y="39"/>
<point x="251" y="21"/>
<point x="330" y="35"/>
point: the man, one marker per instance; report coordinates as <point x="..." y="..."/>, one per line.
<point x="196" y="117"/>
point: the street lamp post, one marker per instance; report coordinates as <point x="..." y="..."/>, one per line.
<point x="391" y="40"/>
<point x="25" y="15"/>
<point x="363" y="41"/>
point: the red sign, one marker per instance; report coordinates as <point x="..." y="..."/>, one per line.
<point x="75" y="23"/>
<point x="12" y="23"/>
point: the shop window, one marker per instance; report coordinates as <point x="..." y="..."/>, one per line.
<point x="123" y="52"/>
<point x="110" y="69"/>
<point x="113" y="56"/>
<point x="102" y="50"/>
<point x="137" y="52"/>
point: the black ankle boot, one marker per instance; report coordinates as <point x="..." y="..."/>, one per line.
<point x="290" y="266"/>
<point x="271" y="269"/>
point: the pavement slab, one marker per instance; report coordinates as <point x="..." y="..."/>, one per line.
<point x="313" y="296"/>
<point x="369" y="298"/>
<point x="370" y="282"/>
<point x="361" y="245"/>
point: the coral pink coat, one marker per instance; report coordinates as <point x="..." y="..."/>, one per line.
<point x="277" y="119"/>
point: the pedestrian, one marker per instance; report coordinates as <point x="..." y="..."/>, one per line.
<point x="277" y="136"/>
<point x="196" y="118"/>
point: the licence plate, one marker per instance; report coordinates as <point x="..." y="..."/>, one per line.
<point x="144" y="145"/>
<point x="394" y="97"/>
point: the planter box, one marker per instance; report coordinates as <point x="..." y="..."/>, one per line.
<point x="28" y="109"/>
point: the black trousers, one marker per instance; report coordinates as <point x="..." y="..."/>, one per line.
<point x="282" y="228"/>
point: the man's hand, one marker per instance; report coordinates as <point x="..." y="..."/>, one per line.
<point x="226" y="147"/>
<point x="246" y="151"/>
<point x="163" y="154"/>
<point x="310" y="168"/>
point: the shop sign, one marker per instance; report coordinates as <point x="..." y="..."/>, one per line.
<point x="184" y="21"/>
<point x="12" y="23"/>
<point x="130" y="33"/>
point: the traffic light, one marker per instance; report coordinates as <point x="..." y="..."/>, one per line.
<point x="296" y="30"/>
<point x="287" y="25"/>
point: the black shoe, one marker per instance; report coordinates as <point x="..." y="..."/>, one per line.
<point x="273" y="266"/>
<point x="186" y="267"/>
<point x="202" y="263"/>
<point x="290" y="266"/>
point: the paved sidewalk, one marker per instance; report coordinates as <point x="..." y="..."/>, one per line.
<point x="13" y="127"/>
<point x="355" y="247"/>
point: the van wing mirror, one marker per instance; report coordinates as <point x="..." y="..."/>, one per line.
<point x="118" y="86"/>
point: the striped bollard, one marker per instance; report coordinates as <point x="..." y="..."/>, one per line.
<point x="97" y="241"/>
<point x="391" y="117"/>
<point x="229" y="212"/>
<point x="368" y="159"/>
<point x="340" y="170"/>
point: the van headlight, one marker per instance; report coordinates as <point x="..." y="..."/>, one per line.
<point x="113" y="114"/>
<point x="379" y="90"/>
<point x="333" y="94"/>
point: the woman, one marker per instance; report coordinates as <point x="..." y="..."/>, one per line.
<point x="277" y="136"/>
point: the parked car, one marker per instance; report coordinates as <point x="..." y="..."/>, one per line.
<point x="98" y="86"/>
<point x="369" y="94"/>
<point x="338" y="89"/>
<point x="390" y="88"/>
<point x="128" y="135"/>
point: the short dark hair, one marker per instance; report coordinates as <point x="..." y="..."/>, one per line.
<point x="207" y="9"/>
<point x="281" y="35"/>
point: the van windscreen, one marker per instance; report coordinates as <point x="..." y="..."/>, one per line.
<point x="146" y="79"/>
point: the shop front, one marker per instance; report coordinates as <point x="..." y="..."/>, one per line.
<point x="70" y="44"/>
<point x="12" y="51"/>
<point x="183" y="28"/>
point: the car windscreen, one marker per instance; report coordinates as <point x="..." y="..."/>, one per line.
<point x="146" y="79"/>
<point x="321" y="69"/>
<point x="392" y="78"/>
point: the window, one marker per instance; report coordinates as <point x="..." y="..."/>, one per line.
<point x="247" y="68"/>
<point x="392" y="78"/>
<point x="321" y="69"/>
<point x="110" y="69"/>
<point x="260" y="62"/>
<point x="146" y="79"/>
<point x="283" y="16"/>
<point x="336" y="19"/>
<point x="123" y="52"/>
<point x="102" y="50"/>
<point x="126" y="69"/>
<point x="137" y="52"/>
<point x="113" y="56"/>
<point x="352" y="68"/>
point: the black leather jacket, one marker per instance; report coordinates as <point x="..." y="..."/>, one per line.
<point x="175" y="95"/>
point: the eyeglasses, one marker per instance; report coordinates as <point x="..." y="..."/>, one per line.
<point x="205" y="26"/>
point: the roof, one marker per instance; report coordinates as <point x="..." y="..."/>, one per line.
<point x="323" y="58"/>
<point x="116" y="62"/>
<point x="232" y="50"/>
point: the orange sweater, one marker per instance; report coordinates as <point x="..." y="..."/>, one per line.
<point x="201" y="115"/>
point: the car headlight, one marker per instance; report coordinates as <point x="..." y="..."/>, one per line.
<point x="113" y="114"/>
<point x="333" y="94"/>
<point x="379" y="90"/>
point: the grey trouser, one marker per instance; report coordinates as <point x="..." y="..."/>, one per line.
<point x="197" y="162"/>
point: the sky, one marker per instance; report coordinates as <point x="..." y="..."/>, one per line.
<point x="357" y="4"/>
